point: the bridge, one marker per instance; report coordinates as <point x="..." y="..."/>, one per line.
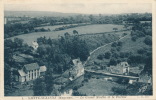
<point x="112" y="75"/>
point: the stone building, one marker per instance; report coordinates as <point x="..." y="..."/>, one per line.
<point x="121" y="68"/>
<point x="30" y="72"/>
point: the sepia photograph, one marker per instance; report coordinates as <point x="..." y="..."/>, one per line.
<point x="77" y="49"/>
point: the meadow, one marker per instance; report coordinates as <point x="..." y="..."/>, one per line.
<point x="95" y="28"/>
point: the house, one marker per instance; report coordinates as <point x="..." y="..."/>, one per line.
<point x="77" y="69"/>
<point x="30" y="72"/>
<point x="35" y="45"/>
<point x="121" y="68"/>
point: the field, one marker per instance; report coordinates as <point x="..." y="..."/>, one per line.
<point x="96" y="28"/>
<point x="98" y="87"/>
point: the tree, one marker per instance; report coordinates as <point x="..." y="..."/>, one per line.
<point x="114" y="44"/>
<point x="18" y="42"/>
<point x="75" y="32"/>
<point x="107" y="55"/>
<point x="148" y="40"/>
<point x="7" y="74"/>
<point x="134" y="38"/>
<point x="39" y="87"/>
<point x="112" y="61"/>
<point x="115" y="29"/>
<point x="66" y="35"/>
<point x="100" y="56"/>
<point x="148" y="66"/>
<point x="49" y="81"/>
<point x="119" y="43"/>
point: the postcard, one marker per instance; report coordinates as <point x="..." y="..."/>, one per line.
<point x="82" y="49"/>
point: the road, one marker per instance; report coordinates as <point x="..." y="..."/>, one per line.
<point x="113" y="75"/>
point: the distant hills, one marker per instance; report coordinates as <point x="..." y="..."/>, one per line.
<point x="38" y="13"/>
<point x="45" y="13"/>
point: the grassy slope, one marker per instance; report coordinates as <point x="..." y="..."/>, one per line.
<point x="128" y="46"/>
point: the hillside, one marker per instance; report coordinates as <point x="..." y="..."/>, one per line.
<point x="128" y="46"/>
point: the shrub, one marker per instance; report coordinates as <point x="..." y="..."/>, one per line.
<point x="134" y="38"/>
<point x="124" y="34"/>
<point x="122" y="54"/>
<point x="115" y="55"/>
<point x="112" y="61"/>
<point x="85" y="80"/>
<point x="118" y="61"/>
<point x="141" y="51"/>
<point x="136" y="59"/>
<point x="118" y="48"/>
<point x="148" y="32"/>
<point x="113" y="50"/>
<point x="75" y="88"/>
<point x="102" y="67"/>
<point x="148" y="40"/>
<point x="100" y="56"/>
<point x="107" y="55"/>
<point x="119" y="43"/>
<point x="114" y="44"/>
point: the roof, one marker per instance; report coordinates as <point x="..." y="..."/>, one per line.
<point x="21" y="73"/>
<point x="22" y="57"/>
<point x="18" y="59"/>
<point x="25" y="56"/>
<point x="43" y="68"/>
<point x="123" y="64"/>
<point x="61" y="80"/>
<point x="31" y="66"/>
<point x="76" y="61"/>
<point x="35" y="43"/>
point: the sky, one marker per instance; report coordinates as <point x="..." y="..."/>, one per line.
<point x="80" y="7"/>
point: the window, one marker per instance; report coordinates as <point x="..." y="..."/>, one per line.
<point x="32" y="74"/>
<point x="29" y="75"/>
<point x="35" y="72"/>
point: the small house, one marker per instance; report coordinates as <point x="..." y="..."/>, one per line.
<point x="78" y="67"/>
<point x="35" y="45"/>
<point x="76" y="70"/>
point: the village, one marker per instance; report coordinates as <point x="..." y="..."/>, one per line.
<point x="50" y="53"/>
<point x="30" y="72"/>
